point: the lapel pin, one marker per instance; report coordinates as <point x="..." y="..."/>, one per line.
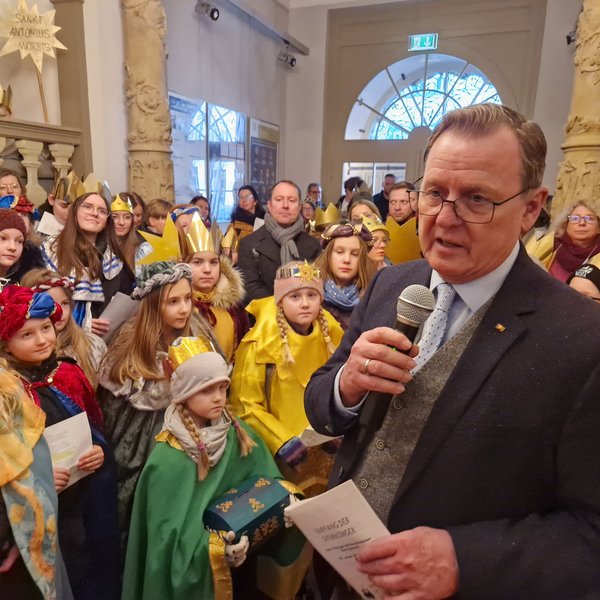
<point x="500" y="327"/>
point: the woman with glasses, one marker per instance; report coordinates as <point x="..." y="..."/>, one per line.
<point x="87" y="251"/>
<point x="574" y="238"/>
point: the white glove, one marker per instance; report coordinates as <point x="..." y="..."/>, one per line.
<point x="287" y="520"/>
<point x="235" y="554"/>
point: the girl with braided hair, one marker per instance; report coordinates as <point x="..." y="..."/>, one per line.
<point x="87" y="509"/>
<point x="134" y="386"/>
<point x="71" y="340"/>
<point x="203" y="451"/>
<point x="293" y="337"/>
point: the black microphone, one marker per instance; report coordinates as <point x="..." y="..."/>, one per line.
<point x="415" y="304"/>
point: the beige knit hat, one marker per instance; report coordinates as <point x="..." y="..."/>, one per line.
<point x="197" y="373"/>
<point x="296" y="276"/>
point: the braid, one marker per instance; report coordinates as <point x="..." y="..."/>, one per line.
<point x="325" y="331"/>
<point x="283" y="329"/>
<point x="189" y="424"/>
<point x="244" y="440"/>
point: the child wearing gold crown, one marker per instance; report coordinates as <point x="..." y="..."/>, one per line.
<point x="218" y="289"/>
<point x="293" y="337"/>
<point x="202" y="452"/>
<point x="134" y="392"/>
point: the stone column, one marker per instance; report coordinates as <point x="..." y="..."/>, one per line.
<point x="579" y="172"/>
<point x="62" y="158"/>
<point x="31" y="151"/>
<point x="149" y="131"/>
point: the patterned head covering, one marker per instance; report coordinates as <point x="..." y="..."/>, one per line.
<point x="346" y="230"/>
<point x="18" y="304"/>
<point x="53" y="282"/>
<point x="157" y="274"/>
<point x="21" y="204"/>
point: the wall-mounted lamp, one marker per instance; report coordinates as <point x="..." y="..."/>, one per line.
<point x="208" y="9"/>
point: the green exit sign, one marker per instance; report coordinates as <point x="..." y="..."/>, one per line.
<point x="422" y="41"/>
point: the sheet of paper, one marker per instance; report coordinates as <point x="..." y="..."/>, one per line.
<point x="68" y="440"/>
<point x="337" y="523"/>
<point x="49" y="225"/>
<point x="309" y="437"/>
<point x="120" y="308"/>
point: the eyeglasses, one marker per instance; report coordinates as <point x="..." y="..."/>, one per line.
<point x="90" y="209"/>
<point x="586" y="218"/>
<point x="246" y="197"/>
<point x="473" y="208"/>
<point x="9" y="187"/>
<point x="380" y="241"/>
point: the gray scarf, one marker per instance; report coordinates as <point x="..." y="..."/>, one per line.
<point x="213" y="436"/>
<point x="285" y="237"/>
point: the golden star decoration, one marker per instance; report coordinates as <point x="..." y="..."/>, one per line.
<point x="307" y="272"/>
<point x="30" y="33"/>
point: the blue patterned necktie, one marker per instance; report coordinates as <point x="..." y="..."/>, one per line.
<point x="435" y="326"/>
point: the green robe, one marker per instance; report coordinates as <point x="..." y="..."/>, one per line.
<point x="167" y="553"/>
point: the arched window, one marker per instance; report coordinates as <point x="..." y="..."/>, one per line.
<point x="416" y="92"/>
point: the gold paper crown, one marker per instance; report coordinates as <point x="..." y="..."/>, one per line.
<point x="5" y="101"/>
<point x="93" y="185"/>
<point x="165" y="247"/>
<point x="542" y="249"/>
<point x="68" y="188"/>
<point x="230" y="239"/>
<point x="200" y="239"/>
<point x="118" y="204"/>
<point x="404" y="242"/>
<point x="185" y="348"/>
<point x="374" y="225"/>
<point x="306" y="272"/>
<point x="326" y="217"/>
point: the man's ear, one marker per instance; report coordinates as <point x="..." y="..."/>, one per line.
<point x="534" y="201"/>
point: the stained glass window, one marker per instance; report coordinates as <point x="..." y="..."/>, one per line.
<point x="416" y="92"/>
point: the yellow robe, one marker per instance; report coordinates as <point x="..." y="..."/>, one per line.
<point x="279" y="415"/>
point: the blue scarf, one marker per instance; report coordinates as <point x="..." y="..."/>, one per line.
<point x="344" y="298"/>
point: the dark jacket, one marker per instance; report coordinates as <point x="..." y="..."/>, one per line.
<point x="259" y="259"/>
<point x="509" y="457"/>
<point x="382" y="204"/>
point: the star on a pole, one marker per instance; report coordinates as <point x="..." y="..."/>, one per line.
<point x="30" y="33"/>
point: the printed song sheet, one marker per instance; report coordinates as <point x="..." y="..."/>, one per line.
<point x="337" y="523"/>
<point x="68" y="440"/>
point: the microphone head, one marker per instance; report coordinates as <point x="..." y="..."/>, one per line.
<point x="415" y="304"/>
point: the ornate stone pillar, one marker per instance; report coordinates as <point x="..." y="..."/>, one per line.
<point x="149" y="131"/>
<point x="579" y="172"/>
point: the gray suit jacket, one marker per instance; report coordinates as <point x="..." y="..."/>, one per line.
<point x="509" y="459"/>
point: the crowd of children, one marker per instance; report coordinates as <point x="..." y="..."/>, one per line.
<point x="169" y="434"/>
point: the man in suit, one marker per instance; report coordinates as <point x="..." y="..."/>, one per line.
<point x="280" y="240"/>
<point x="382" y="199"/>
<point x="485" y="467"/>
